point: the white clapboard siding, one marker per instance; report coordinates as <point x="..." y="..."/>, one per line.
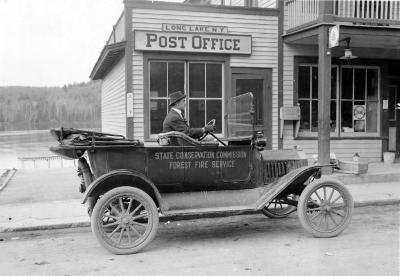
<point x="113" y="94"/>
<point x="369" y="150"/>
<point x="264" y="32"/>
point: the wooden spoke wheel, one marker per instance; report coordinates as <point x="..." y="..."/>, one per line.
<point x="278" y="208"/>
<point x="125" y="220"/>
<point x="325" y="208"/>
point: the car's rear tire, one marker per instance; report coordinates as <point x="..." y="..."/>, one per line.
<point x="325" y="208"/>
<point x="125" y="220"/>
<point x="278" y="208"/>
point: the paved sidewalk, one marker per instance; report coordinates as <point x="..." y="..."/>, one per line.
<point x="48" y="198"/>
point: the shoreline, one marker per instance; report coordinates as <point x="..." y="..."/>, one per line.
<point x="23" y="132"/>
<point x="35" y="131"/>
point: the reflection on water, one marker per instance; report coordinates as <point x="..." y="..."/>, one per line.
<point x="24" y="144"/>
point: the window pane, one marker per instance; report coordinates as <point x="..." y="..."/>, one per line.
<point x="347" y="116"/>
<point x="176" y="77"/>
<point x="372" y="84"/>
<point x="196" y="113"/>
<point x="359" y="84"/>
<point x="304" y="115"/>
<point x="256" y="87"/>
<point x="372" y="116"/>
<point x="304" y="82"/>
<point x="214" y="111"/>
<point x="359" y="125"/>
<point x="315" y="82"/>
<point x="333" y="83"/>
<point x="158" y="79"/>
<point x="333" y="116"/>
<point x="158" y="110"/>
<point x="214" y="80"/>
<point x="314" y="118"/>
<point x="347" y="83"/>
<point x="197" y="80"/>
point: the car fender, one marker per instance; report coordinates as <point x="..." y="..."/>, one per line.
<point x="295" y="181"/>
<point x="131" y="178"/>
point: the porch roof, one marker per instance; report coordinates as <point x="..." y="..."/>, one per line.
<point x="378" y="37"/>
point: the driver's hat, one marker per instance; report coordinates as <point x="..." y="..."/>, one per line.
<point x="175" y="97"/>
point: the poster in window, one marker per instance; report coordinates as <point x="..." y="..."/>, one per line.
<point x="359" y="112"/>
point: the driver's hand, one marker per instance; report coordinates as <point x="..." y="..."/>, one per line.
<point x="209" y="128"/>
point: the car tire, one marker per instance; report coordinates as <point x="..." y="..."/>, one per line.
<point x="277" y="208"/>
<point x="325" y="208"/>
<point x="125" y="220"/>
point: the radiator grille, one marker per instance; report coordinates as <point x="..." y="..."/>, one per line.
<point x="276" y="169"/>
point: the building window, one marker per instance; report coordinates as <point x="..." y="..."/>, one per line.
<point x="165" y="78"/>
<point x="308" y="98"/>
<point x="354" y="110"/>
<point x="202" y="82"/>
<point x="359" y="101"/>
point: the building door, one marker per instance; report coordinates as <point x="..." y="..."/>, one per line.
<point x="394" y="117"/>
<point x="259" y="82"/>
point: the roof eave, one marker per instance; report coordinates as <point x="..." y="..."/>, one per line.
<point x="109" y="56"/>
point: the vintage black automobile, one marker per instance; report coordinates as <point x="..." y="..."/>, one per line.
<point x="128" y="184"/>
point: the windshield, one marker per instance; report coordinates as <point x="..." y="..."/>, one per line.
<point x="239" y="117"/>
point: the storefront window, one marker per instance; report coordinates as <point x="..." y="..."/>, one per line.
<point x="204" y="96"/>
<point x="308" y="98"/>
<point x="356" y="107"/>
<point x="359" y="102"/>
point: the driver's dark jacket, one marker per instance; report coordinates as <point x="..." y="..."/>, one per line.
<point x="174" y="122"/>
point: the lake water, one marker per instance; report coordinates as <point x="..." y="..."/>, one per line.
<point x="35" y="143"/>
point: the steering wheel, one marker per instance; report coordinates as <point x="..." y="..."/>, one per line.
<point x="211" y="123"/>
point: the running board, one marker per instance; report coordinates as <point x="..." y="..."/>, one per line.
<point x="215" y="211"/>
<point x="211" y="201"/>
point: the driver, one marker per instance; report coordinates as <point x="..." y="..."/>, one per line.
<point x="175" y="120"/>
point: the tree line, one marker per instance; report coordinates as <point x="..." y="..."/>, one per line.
<point x="31" y="108"/>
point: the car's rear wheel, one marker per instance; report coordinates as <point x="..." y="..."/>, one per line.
<point x="325" y="208"/>
<point x="278" y="208"/>
<point x="125" y="220"/>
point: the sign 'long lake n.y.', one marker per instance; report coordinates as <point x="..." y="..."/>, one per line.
<point x="192" y="42"/>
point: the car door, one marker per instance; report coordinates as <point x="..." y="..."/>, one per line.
<point x="200" y="172"/>
<point x="234" y="164"/>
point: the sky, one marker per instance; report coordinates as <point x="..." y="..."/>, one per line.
<point x="53" y="42"/>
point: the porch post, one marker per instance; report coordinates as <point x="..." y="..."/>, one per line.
<point x="324" y="96"/>
<point x="324" y="83"/>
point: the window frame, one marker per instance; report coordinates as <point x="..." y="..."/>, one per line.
<point x="205" y="98"/>
<point x="311" y="65"/>
<point x="378" y="101"/>
<point x="163" y="57"/>
<point x="338" y="131"/>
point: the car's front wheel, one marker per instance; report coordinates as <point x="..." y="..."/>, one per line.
<point x="325" y="208"/>
<point x="125" y="220"/>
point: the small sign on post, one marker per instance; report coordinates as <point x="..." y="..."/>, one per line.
<point x="334" y="34"/>
<point x="290" y="113"/>
<point x="129" y="105"/>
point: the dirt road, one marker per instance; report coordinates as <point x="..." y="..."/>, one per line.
<point x="239" y="245"/>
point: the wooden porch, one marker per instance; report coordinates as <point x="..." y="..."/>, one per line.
<point x="302" y="13"/>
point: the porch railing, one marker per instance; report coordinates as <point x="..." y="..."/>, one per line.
<point x="299" y="12"/>
<point x="367" y="9"/>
